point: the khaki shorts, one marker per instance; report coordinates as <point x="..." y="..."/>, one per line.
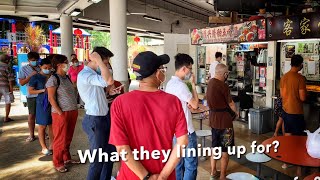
<point x="31" y="102"/>
<point x="8" y="97"/>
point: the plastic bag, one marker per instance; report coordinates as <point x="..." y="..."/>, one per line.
<point x="313" y="143"/>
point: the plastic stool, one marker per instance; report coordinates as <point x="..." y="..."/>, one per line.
<point x="242" y="176"/>
<point x="258" y="158"/>
<point x="203" y="134"/>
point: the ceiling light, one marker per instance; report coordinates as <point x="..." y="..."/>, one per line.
<point x="252" y="43"/>
<point x="75" y="12"/>
<point x="153" y="33"/>
<point x="152" y="18"/>
<point x="298" y="40"/>
<point x="94" y="1"/>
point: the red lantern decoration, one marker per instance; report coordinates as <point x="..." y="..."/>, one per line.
<point x="136" y="39"/>
<point x="77" y="32"/>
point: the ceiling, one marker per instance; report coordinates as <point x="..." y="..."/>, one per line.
<point x="190" y="13"/>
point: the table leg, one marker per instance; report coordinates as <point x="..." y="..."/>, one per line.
<point x="204" y="144"/>
<point x="275" y="177"/>
<point x="201" y="124"/>
<point x="258" y="170"/>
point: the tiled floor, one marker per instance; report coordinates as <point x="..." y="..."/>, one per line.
<point x="21" y="160"/>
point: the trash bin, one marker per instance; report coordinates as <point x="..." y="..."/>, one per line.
<point x="259" y="120"/>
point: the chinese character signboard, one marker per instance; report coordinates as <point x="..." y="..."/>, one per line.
<point x="245" y="32"/>
<point x="294" y="27"/>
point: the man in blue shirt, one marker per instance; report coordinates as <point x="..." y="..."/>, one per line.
<point x="91" y="83"/>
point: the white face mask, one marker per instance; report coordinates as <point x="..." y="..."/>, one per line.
<point x="111" y="71"/>
<point x="188" y="76"/>
<point x="66" y="67"/>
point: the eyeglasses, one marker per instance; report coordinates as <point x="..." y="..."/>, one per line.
<point x="189" y="68"/>
<point x="163" y="69"/>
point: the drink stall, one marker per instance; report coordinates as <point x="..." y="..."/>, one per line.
<point x="245" y="53"/>
<point x="300" y="34"/>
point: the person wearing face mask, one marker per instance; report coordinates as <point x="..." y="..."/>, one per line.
<point x="63" y="99"/>
<point x="187" y="167"/>
<point x="43" y="110"/>
<point x="6" y="85"/>
<point x="222" y="114"/>
<point x="25" y="74"/>
<point x="73" y="74"/>
<point x="148" y="117"/>
<point x="92" y="81"/>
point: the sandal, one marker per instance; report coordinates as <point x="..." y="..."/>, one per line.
<point x="46" y="152"/>
<point x="215" y="176"/>
<point x="71" y="161"/>
<point x="8" y="120"/>
<point x="62" y="169"/>
<point x="30" y="139"/>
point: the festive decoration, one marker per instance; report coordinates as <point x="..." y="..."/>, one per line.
<point x="136" y="39"/>
<point x="34" y="37"/>
<point x="77" y="32"/>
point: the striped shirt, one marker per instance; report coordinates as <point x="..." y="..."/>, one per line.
<point x="5" y="75"/>
<point x="24" y="72"/>
<point x="66" y="94"/>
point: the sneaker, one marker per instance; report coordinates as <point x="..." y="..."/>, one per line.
<point x="30" y="139"/>
<point x="46" y="152"/>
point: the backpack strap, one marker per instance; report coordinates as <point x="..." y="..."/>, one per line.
<point x="58" y="79"/>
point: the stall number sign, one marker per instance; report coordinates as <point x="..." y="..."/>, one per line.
<point x="11" y="37"/>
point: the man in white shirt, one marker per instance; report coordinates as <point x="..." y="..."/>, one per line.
<point x="187" y="167"/>
<point x="214" y="64"/>
<point x="91" y="83"/>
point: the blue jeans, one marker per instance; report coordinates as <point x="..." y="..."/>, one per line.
<point x="98" y="131"/>
<point x="187" y="167"/>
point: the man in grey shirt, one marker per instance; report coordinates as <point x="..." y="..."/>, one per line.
<point x="25" y="74"/>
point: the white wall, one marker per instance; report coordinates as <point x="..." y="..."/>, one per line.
<point x="271" y="73"/>
<point x="171" y="43"/>
<point x="100" y="11"/>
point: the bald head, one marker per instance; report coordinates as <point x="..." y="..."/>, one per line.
<point x="221" y="72"/>
<point x="221" y="69"/>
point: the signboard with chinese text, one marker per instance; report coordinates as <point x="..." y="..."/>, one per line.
<point x="245" y="32"/>
<point x="294" y="27"/>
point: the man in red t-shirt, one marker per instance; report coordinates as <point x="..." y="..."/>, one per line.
<point x="150" y="118"/>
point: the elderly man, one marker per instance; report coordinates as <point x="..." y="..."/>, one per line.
<point x="222" y="113"/>
<point x="6" y="84"/>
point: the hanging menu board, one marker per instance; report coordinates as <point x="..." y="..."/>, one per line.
<point x="309" y="50"/>
<point x="245" y="32"/>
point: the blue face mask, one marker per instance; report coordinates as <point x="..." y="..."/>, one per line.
<point x="33" y="63"/>
<point x="46" y="71"/>
<point x="76" y="64"/>
<point x="98" y="70"/>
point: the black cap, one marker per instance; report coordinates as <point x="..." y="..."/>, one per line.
<point x="147" y="63"/>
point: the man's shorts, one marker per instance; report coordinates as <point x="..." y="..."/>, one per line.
<point x="294" y="123"/>
<point x="4" y="91"/>
<point x="31" y="102"/>
<point x="222" y="138"/>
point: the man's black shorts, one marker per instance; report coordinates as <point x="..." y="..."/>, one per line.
<point x="294" y="124"/>
<point x="222" y="138"/>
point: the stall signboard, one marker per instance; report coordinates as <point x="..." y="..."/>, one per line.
<point x="245" y="32"/>
<point x="294" y="27"/>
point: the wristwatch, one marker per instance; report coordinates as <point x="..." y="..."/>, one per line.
<point x="147" y="176"/>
